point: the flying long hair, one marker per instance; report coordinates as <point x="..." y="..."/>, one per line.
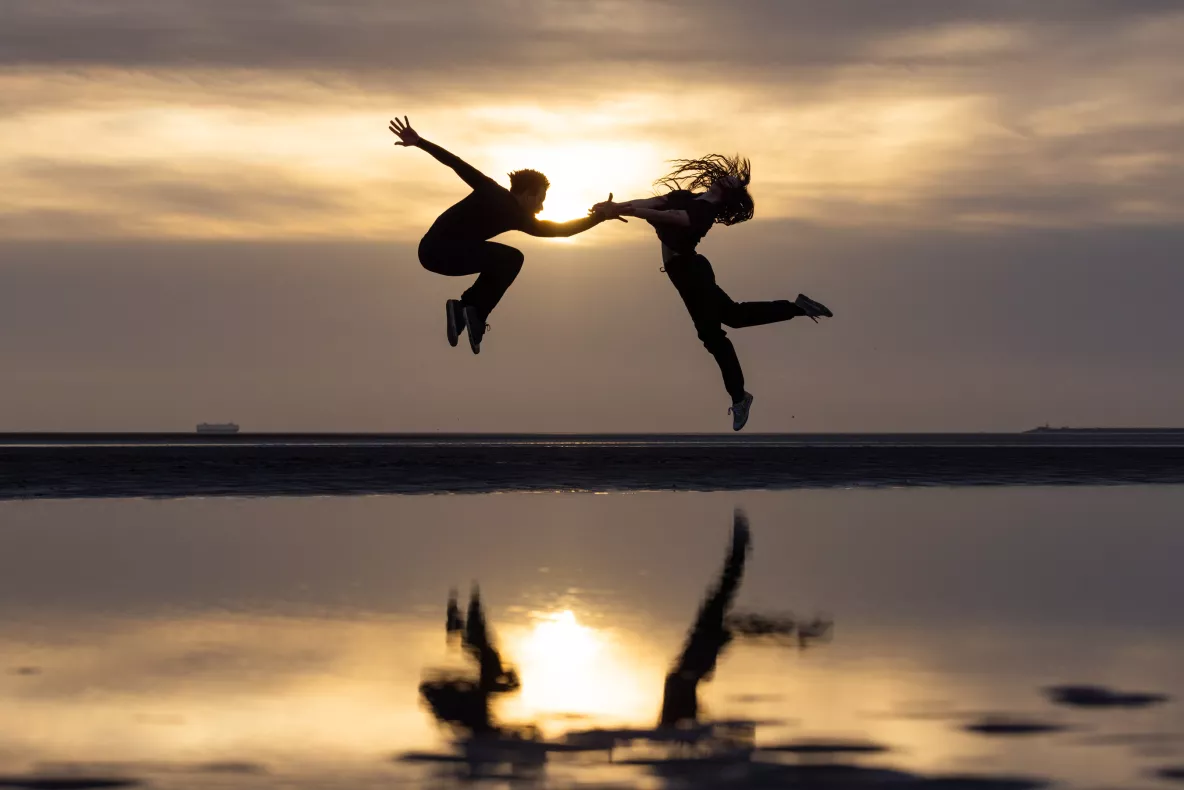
<point x="703" y="172"/>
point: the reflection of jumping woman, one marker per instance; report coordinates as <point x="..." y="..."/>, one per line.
<point x="682" y="218"/>
<point x="708" y="637"/>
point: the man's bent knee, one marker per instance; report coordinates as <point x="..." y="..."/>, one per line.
<point x="430" y="255"/>
<point x="516" y="259"/>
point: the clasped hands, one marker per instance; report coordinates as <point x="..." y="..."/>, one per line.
<point x="607" y="209"/>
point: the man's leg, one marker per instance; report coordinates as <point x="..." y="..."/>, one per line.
<point x="497" y="265"/>
<point x="695" y="281"/>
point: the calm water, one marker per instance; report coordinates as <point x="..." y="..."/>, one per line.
<point x="266" y="642"/>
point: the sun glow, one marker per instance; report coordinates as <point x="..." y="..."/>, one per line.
<point x="568" y="667"/>
<point x="583" y="173"/>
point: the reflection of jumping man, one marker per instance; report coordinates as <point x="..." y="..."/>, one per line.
<point x="495" y="678"/>
<point x="458" y="701"/>
<point x="458" y="243"/>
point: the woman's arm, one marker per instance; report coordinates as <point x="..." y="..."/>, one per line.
<point x="645" y="208"/>
<point x="653" y="202"/>
<point x="665" y="217"/>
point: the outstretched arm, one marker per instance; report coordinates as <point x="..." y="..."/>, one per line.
<point x="547" y="228"/>
<point x="651" y="209"/>
<point x="409" y="137"/>
<point x="596" y="215"/>
<point x="664" y="216"/>
<point x="651" y="202"/>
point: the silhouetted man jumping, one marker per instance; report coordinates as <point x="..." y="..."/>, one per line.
<point x="458" y="243"/>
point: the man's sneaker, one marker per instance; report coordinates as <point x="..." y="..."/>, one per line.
<point x="813" y="309"/>
<point x="739" y="411"/>
<point x="476" y="326"/>
<point x="456" y="320"/>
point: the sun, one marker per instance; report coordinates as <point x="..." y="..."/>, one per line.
<point x="583" y="173"/>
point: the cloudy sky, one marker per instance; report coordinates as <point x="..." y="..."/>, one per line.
<point x="203" y="217"/>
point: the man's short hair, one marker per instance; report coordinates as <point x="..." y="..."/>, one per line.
<point x="528" y="181"/>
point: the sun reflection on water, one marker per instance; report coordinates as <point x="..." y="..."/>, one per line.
<point x="571" y="668"/>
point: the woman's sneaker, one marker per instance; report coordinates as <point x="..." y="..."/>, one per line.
<point x="456" y="320"/>
<point x="739" y="412"/>
<point x="813" y="310"/>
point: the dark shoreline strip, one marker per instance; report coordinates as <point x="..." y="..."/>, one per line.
<point x="49" y="472"/>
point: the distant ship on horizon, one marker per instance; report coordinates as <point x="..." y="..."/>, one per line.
<point x="217" y="427"/>
<point x="1046" y="428"/>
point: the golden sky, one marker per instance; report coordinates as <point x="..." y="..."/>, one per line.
<point x="263" y="120"/>
<point x="204" y="216"/>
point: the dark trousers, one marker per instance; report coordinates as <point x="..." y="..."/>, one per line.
<point x="495" y="264"/>
<point x="711" y="309"/>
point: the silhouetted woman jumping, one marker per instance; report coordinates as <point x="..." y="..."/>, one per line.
<point x="682" y="218"/>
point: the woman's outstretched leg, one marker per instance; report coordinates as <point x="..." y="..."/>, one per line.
<point x="741" y="314"/>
